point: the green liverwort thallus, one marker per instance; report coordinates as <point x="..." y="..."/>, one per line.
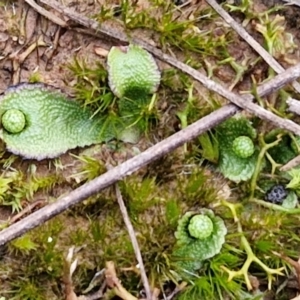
<point x="132" y="72"/>
<point x="133" y="77"/>
<point x="238" y="157"/>
<point x="39" y="122"/>
<point x="200" y="236"/>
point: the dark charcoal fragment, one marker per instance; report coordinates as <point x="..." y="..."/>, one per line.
<point x="276" y="194"/>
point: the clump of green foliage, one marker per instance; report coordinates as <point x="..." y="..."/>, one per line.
<point x="122" y="93"/>
<point x="237" y="157"/>
<point x="91" y="87"/>
<point x="17" y="188"/>
<point x="133" y="77"/>
<point x="199" y="236"/>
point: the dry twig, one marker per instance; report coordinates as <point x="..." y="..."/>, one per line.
<point x="294" y="106"/>
<point x="18" y="59"/>
<point x="116" y="174"/>
<point x="134" y="242"/>
<point x="295" y="264"/>
<point x="28" y="209"/>
<point x="292" y="2"/>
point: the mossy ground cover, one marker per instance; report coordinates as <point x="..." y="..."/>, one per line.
<point x="255" y="261"/>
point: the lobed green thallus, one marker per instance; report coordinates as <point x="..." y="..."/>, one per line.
<point x="52" y="124"/>
<point x="200" y="236"/>
<point x="39" y="122"/>
<point x="238" y="155"/>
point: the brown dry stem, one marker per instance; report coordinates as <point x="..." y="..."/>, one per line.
<point x="295" y="264"/>
<point x="114" y="283"/>
<point x="42" y="11"/>
<point x="18" y="59"/>
<point x="134" y="242"/>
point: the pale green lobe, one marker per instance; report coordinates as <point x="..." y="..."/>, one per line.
<point x="132" y="68"/>
<point x="190" y="250"/>
<point x="13" y="120"/>
<point x="231" y="165"/>
<point x="54" y="124"/>
<point x="291" y="201"/>
<point x="200" y="227"/>
<point x="243" y="146"/>
<point x="130" y="134"/>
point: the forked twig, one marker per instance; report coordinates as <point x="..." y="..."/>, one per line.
<point x="294" y="106"/>
<point x="112" y="176"/>
<point x="113" y="282"/>
<point x="292" y="2"/>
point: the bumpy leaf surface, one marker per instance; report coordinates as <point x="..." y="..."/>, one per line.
<point x="243" y="146"/>
<point x="190" y="252"/>
<point x="130" y="68"/>
<point x="54" y="124"/>
<point x="230" y="164"/>
<point x="13" y="121"/>
<point x="200" y="227"/>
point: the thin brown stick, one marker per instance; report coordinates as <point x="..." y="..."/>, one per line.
<point x="18" y="59"/>
<point x="269" y="59"/>
<point x="86" y="22"/>
<point x="46" y="13"/>
<point x="210" y="84"/>
<point x="113" y="282"/>
<point x="133" y="164"/>
<point x="234" y="98"/>
<point x="23" y="9"/>
<point x="134" y="242"/>
<point x="292" y="262"/>
<point x="26" y="210"/>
